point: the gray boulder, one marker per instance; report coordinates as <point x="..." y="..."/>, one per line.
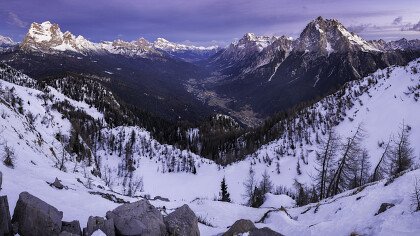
<point x="264" y="232"/>
<point x="96" y="222"/>
<point x="33" y="217"/>
<point x="240" y="227"/>
<point x="182" y="221"/>
<point x="137" y="218"/>
<point x="70" y="228"/>
<point x="5" y="221"/>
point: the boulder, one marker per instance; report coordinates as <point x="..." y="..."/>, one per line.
<point x="182" y="221"/>
<point x="5" y="221"/>
<point x="96" y="223"/>
<point x="71" y="228"/>
<point x="264" y="232"/>
<point x="384" y="206"/>
<point x="57" y="184"/>
<point x="32" y="216"/>
<point x="137" y="218"/>
<point x="240" y="227"/>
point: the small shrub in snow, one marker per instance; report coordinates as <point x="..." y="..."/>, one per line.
<point x="415" y="196"/>
<point x="8" y="156"/>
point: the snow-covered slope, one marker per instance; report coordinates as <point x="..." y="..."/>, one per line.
<point x="379" y="101"/>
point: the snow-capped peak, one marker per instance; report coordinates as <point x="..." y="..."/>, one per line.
<point x="47" y="37"/>
<point x="329" y="35"/>
<point x="6" y="41"/>
<point x="166" y="45"/>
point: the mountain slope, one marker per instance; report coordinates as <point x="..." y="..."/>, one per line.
<point x="324" y="57"/>
<point x="147" y="78"/>
<point x="113" y="160"/>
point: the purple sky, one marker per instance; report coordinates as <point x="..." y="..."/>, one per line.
<point x="208" y="21"/>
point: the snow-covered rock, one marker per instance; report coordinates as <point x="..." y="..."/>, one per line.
<point x="277" y="201"/>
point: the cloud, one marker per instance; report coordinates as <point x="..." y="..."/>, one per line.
<point x="14" y="19"/>
<point x="359" y="28"/>
<point x="397" y="21"/>
<point x="411" y="27"/>
<point x="416" y="27"/>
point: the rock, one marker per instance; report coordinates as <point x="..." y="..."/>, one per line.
<point x="32" y="216"/>
<point x="137" y="218"/>
<point x="96" y="223"/>
<point x="384" y="206"/>
<point x="264" y="232"/>
<point x="57" y="184"/>
<point x="1" y="179"/>
<point x="65" y="233"/>
<point x="182" y="221"/>
<point x="164" y="199"/>
<point x="240" y="227"/>
<point x="5" y="221"/>
<point x="71" y="228"/>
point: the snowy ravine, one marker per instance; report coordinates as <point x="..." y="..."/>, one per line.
<point x="380" y="106"/>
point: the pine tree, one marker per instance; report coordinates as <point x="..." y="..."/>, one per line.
<point x="401" y="152"/>
<point x="250" y="185"/>
<point x="266" y="185"/>
<point x="342" y="177"/>
<point x="224" y="194"/>
<point x="325" y="160"/>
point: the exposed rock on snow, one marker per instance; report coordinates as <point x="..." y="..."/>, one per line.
<point x="57" y="184"/>
<point x="164" y="199"/>
<point x="5" y="221"/>
<point x="239" y="227"/>
<point x="71" y="228"/>
<point x="32" y="216"/>
<point x="182" y="221"/>
<point x="137" y="218"/>
<point x="264" y="232"/>
<point x="96" y="223"/>
<point x="384" y="206"/>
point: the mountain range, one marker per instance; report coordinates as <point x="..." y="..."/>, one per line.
<point x="249" y="80"/>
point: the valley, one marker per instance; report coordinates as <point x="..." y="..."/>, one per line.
<point x="270" y="135"/>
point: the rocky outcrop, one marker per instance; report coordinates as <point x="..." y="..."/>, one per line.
<point x="264" y="232"/>
<point x="384" y="207"/>
<point x="5" y="222"/>
<point x="182" y="221"/>
<point x="33" y="217"/>
<point x="239" y="227"/>
<point x="57" y="184"/>
<point x="96" y="223"/>
<point x="246" y="226"/>
<point x="70" y="228"/>
<point x="138" y="218"/>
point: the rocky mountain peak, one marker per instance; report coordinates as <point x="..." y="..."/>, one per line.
<point x="329" y="35"/>
<point x="6" y="41"/>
